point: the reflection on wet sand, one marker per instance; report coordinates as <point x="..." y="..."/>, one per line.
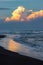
<point x="10" y="44"/>
<point x="24" y="50"/>
<point x="17" y="47"/>
<point x="13" y="46"/>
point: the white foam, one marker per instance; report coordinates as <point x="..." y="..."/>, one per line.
<point x="20" y="48"/>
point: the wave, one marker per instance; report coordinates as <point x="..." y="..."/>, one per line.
<point x="21" y="31"/>
<point x="23" y="45"/>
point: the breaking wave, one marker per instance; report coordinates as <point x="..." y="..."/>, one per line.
<point x="29" y="44"/>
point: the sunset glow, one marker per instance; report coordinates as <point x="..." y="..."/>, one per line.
<point x="22" y="14"/>
<point x="35" y="15"/>
<point x="13" y="46"/>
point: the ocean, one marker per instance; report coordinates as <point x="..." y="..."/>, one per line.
<point x="26" y="42"/>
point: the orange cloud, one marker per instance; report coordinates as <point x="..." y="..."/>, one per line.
<point x="35" y="15"/>
<point x="22" y="14"/>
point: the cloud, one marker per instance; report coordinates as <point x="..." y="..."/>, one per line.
<point x="19" y="14"/>
<point x="22" y="14"/>
<point x="4" y="8"/>
<point x="35" y="15"/>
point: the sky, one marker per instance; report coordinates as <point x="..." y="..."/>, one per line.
<point x="22" y="10"/>
<point x="34" y="5"/>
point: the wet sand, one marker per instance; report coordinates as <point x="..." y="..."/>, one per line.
<point x="13" y="58"/>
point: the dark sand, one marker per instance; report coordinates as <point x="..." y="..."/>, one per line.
<point x="13" y="58"/>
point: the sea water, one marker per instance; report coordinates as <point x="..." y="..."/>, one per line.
<point x="28" y="43"/>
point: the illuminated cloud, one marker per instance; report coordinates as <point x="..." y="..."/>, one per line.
<point x="22" y="14"/>
<point x="19" y="14"/>
<point x="35" y="15"/>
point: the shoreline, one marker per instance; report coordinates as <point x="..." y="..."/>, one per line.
<point x="8" y="57"/>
